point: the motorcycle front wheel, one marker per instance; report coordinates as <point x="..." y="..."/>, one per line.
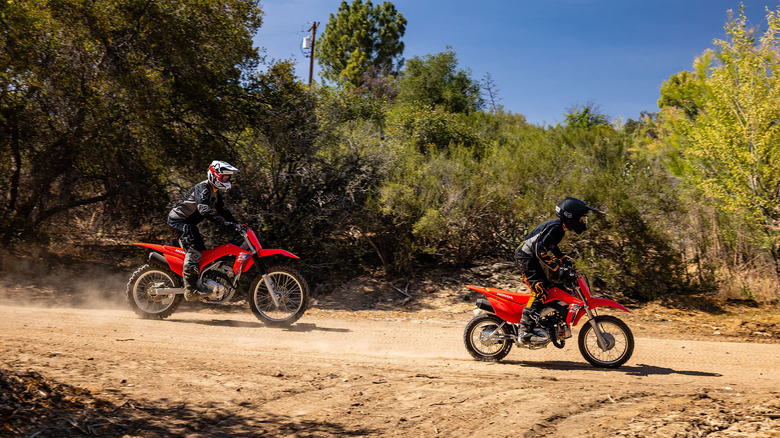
<point x="292" y="296"/>
<point x="617" y="335"/>
<point x="486" y="338"/>
<point x="139" y="292"/>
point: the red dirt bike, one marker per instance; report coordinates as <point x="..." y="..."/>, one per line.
<point x="278" y="295"/>
<point x="604" y="340"/>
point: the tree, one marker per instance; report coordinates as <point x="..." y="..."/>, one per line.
<point x="646" y="127"/>
<point x="436" y="81"/>
<point x="684" y="91"/>
<point x="586" y="116"/>
<point x="310" y="176"/>
<point x="361" y="38"/>
<point x="492" y="92"/>
<point x="100" y="99"/>
<point x="732" y="142"/>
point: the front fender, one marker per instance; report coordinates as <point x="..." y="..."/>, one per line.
<point x="255" y="259"/>
<point x="270" y="252"/>
<point x="599" y="302"/>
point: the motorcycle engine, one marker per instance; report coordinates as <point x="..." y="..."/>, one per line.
<point x="219" y="280"/>
<point x="555" y="321"/>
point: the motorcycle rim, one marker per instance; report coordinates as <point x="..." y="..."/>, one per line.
<point x="484" y="339"/>
<point x="292" y="293"/>
<point x="139" y="295"/>
<point x="619" y="339"/>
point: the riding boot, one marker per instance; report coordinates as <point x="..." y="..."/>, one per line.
<point x="191" y="292"/>
<point x="529" y="327"/>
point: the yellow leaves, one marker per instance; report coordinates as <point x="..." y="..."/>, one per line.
<point x="733" y="141"/>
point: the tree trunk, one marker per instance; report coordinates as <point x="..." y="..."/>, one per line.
<point x="17" y="161"/>
<point x="776" y="257"/>
<point x="777" y="268"/>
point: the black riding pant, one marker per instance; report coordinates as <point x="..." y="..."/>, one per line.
<point x="190" y="239"/>
<point x="538" y="283"/>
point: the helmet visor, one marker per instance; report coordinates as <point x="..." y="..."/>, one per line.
<point x="225" y="177"/>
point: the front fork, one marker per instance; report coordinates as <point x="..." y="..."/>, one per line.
<point x="596" y="329"/>
<point x="592" y="320"/>
<point x="268" y="283"/>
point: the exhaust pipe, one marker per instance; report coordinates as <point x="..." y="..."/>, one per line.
<point x="158" y="259"/>
<point x="485" y="305"/>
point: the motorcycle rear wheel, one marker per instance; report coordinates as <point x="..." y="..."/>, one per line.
<point x="292" y="293"/>
<point x="484" y="340"/>
<point x="620" y="342"/>
<point x="150" y="306"/>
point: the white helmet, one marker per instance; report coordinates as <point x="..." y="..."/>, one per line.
<point x="220" y="173"/>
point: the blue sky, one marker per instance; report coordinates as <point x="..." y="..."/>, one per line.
<point x="545" y="56"/>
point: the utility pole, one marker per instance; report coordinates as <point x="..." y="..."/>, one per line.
<point x="313" y="30"/>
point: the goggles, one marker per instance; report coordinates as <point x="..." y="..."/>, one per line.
<point x="225" y="177"/>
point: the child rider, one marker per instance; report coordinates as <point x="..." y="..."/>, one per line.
<point x="541" y="246"/>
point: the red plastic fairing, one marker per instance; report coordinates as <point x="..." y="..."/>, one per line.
<point x="556" y="294"/>
<point x="507" y="305"/>
<point x="479" y="289"/>
<point x="164" y="249"/>
<point x="253" y="239"/>
<point x="173" y="255"/>
<point x="240" y="258"/>
<point x="599" y="302"/>
<point x="270" y="252"/>
<point x="210" y="255"/>
<point x="584" y="287"/>
<point x="176" y="264"/>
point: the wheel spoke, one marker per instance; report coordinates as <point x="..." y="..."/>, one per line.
<point x="615" y="351"/>
<point x="289" y="294"/>
<point x="486" y="338"/>
<point x="143" y="288"/>
<point x="482" y="340"/>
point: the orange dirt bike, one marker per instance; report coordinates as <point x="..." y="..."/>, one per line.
<point x="278" y="295"/>
<point x="604" y="340"/>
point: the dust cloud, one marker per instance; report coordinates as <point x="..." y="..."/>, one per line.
<point x="44" y="282"/>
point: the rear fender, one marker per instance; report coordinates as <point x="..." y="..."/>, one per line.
<point x="167" y="261"/>
<point x="599" y="302"/>
<point x="166" y="250"/>
<point x="506" y="305"/>
<point x="174" y="256"/>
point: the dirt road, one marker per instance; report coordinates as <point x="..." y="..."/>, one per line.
<point x="344" y="373"/>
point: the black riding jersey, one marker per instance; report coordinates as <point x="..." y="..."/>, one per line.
<point x="542" y="243"/>
<point x="202" y="201"/>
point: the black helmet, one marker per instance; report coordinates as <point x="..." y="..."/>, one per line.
<point x="574" y="214"/>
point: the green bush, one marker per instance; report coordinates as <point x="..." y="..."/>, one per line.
<point x="431" y="130"/>
<point x="450" y="206"/>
